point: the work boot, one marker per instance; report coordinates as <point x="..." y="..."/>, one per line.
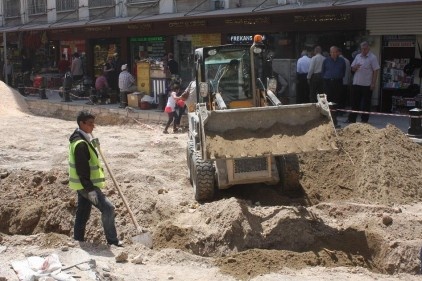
<point x="117" y="243"/>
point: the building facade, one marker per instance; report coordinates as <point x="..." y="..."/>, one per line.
<point x="46" y="29"/>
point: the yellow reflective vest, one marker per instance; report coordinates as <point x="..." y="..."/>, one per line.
<point x="96" y="173"/>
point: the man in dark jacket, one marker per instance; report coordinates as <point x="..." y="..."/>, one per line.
<point x="173" y="66"/>
<point x="86" y="176"/>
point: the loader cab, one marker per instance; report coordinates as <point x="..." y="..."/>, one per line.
<point x="225" y="70"/>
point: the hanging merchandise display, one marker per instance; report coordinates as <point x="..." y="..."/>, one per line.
<point x="397" y="52"/>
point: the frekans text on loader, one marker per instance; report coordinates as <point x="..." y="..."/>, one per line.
<point x="240" y="132"/>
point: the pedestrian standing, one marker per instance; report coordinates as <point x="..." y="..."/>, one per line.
<point x="365" y="67"/>
<point x="8" y="72"/>
<point x="108" y="71"/>
<point x="345" y="92"/>
<point x="86" y="177"/>
<point x="314" y="74"/>
<point x="333" y="71"/>
<point x="302" y="69"/>
<point x="26" y="66"/>
<point x="126" y="85"/>
<point x="172" y="65"/>
<point x="76" y="67"/>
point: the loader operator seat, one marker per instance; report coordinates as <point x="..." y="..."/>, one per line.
<point x="229" y="86"/>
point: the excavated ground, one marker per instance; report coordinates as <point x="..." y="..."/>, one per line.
<point x="360" y="206"/>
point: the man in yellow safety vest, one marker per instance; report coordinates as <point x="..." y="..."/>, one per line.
<point x="86" y="176"/>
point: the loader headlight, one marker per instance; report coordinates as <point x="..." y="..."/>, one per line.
<point x="212" y="52"/>
<point x="257" y="50"/>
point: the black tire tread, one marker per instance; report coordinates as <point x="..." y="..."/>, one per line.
<point x="203" y="178"/>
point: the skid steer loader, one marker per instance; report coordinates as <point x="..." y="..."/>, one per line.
<point x="240" y="132"/>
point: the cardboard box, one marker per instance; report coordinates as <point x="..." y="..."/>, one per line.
<point x="133" y="100"/>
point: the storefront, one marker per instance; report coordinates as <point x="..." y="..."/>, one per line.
<point x="149" y="72"/>
<point x="397" y="51"/>
<point x="287" y="33"/>
<point x="29" y="53"/>
<point x="395" y="44"/>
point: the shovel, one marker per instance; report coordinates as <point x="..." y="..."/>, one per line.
<point x="144" y="237"/>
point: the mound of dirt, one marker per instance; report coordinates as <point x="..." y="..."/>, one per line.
<point x="278" y="139"/>
<point x="12" y="102"/>
<point x="246" y="232"/>
<point x="372" y="165"/>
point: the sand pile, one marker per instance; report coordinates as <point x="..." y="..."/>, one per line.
<point x="277" y="139"/>
<point x="12" y="102"/>
<point x="374" y="165"/>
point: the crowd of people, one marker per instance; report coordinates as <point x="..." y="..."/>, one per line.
<point x="343" y="82"/>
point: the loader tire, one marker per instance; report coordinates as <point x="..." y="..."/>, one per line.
<point x="189" y="153"/>
<point x="202" y="178"/>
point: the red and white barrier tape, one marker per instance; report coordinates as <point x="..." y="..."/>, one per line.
<point x="377" y="113"/>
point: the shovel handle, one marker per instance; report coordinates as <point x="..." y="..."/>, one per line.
<point x="138" y="227"/>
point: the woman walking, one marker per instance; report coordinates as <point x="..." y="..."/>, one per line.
<point x="170" y="108"/>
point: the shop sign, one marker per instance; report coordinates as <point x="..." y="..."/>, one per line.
<point x="323" y="18"/>
<point x="248" y="21"/>
<point x="401" y="44"/>
<point x="185" y="24"/>
<point x="148" y="39"/>
<point x="399" y="41"/>
<point x="399" y="37"/>
<point x="141" y="26"/>
<point x="72" y="42"/>
<point x="57" y="31"/>
<point x="242" y="39"/>
<point x="200" y="40"/>
<point x="98" y="29"/>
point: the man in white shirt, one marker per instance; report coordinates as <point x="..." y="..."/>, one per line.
<point x="126" y="85"/>
<point x="366" y="68"/>
<point x="302" y="69"/>
<point x="314" y="74"/>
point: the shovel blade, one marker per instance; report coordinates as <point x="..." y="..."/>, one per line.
<point x="144" y="239"/>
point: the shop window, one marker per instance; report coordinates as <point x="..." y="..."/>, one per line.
<point x="66" y="5"/>
<point x="100" y="3"/>
<point x="37" y="7"/>
<point x="12" y="8"/>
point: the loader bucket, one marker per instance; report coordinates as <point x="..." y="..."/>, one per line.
<point x="272" y="130"/>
